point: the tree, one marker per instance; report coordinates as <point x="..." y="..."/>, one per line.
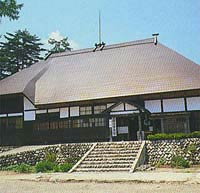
<point x="10" y="9"/>
<point x="20" y="50"/>
<point x="59" y="46"/>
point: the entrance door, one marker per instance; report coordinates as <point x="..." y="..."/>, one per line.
<point x="127" y="128"/>
<point x="133" y="128"/>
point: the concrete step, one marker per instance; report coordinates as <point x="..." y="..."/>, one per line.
<point x="117" y="146"/>
<point x="96" y="151"/>
<point x="126" y="155"/>
<point x="104" y="165"/>
<point x="109" y="158"/>
<point x="102" y="169"/>
<point x="107" y="162"/>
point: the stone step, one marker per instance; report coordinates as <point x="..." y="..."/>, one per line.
<point x="102" y="169"/>
<point x="126" y="155"/>
<point x="107" y="162"/>
<point x="117" y="146"/>
<point x="96" y="151"/>
<point x="113" y="148"/>
<point x="104" y="165"/>
<point x="109" y="158"/>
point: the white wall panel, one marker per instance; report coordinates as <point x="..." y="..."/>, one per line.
<point x="193" y="103"/>
<point x="109" y="104"/>
<point x="154" y="106"/>
<point x="74" y="111"/>
<point x="64" y="112"/>
<point x="130" y="107"/>
<point x="41" y="111"/>
<point x="173" y="105"/>
<point x="3" y="115"/>
<point x="120" y="107"/>
<point x="29" y="115"/>
<point x="15" y="114"/>
<point x="28" y="105"/>
<point x="53" y="110"/>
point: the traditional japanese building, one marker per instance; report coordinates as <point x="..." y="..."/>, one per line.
<point x="117" y="92"/>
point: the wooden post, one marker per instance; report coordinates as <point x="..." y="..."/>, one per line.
<point x="140" y="127"/>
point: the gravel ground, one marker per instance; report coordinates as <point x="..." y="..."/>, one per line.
<point x="15" y="186"/>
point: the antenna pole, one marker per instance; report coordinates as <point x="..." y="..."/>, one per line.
<point x="99" y="27"/>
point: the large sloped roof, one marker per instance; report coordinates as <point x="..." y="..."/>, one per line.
<point x="132" y="68"/>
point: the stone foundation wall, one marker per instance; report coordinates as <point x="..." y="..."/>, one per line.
<point x="63" y="153"/>
<point x="6" y="148"/>
<point x="164" y="150"/>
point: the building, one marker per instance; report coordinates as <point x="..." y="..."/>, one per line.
<point x="117" y="92"/>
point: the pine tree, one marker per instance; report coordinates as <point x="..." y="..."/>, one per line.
<point x="20" y="50"/>
<point x="59" y="46"/>
<point x="10" y="9"/>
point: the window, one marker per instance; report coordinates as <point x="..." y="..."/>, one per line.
<point x="99" y="122"/>
<point x="19" y="123"/>
<point x="15" y="122"/>
<point x="87" y="110"/>
<point x="99" y="109"/>
<point x="64" y="124"/>
<point x="42" y="125"/>
<point x="54" y="125"/>
<point x="76" y="123"/>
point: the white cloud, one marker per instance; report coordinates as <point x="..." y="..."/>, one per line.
<point x="57" y="36"/>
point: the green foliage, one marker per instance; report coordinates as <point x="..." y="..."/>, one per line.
<point x="191" y="148"/>
<point x="59" y="46"/>
<point x="10" y="168"/>
<point x="179" y="162"/>
<point x="20" y="50"/>
<point x="66" y="167"/>
<point x="51" y="157"/>
<point x="56" y="168"/>
<point x="10" y="9"/>
<point x="22" y="168"/>
<point x="44" y="166"/>
<point x="161" y="162"/>
<point x="163" y="136"/>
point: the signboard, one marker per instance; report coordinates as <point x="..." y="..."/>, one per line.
<point x="122" y="130"/>
<point x="112" y="125"/>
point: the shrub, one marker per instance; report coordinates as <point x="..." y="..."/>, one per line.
<point x="23" y="168"/>
<point x="44" y="166"/>
<point x="51" y="157"/>
<point x="163" y="136"/>
<point x="66" y="167"/>
<point x="179" y="162"/>
<point x="56" y="168"/>
<point x="10" y="168"/>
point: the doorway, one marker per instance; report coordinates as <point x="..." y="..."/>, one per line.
<point x="127" y="128"/>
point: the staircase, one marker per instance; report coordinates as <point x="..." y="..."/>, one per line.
<point x="109" y="156"/>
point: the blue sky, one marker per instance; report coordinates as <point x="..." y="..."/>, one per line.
<point x="177" y="21"/>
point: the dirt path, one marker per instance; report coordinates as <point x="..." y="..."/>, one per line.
<point x="15" y="186"/>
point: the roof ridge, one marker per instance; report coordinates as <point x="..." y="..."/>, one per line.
<point x="111" y="46"/>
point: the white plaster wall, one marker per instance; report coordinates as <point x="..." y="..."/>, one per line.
<point x="41" y="111"/>
<point x="28" y="105"/>
<point x="15" y="114"/>
<point x="129" y="107"/>
<point x="154" y="106"/>
<point x="74" y="111"/>
<point x="64" y="112"/>
<point x="173" y="105"/>
<point x="119" y="107"/>
<point x="53" y="110"/>
<point x="29" y="115"/>
<point x="193" y="103"/>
